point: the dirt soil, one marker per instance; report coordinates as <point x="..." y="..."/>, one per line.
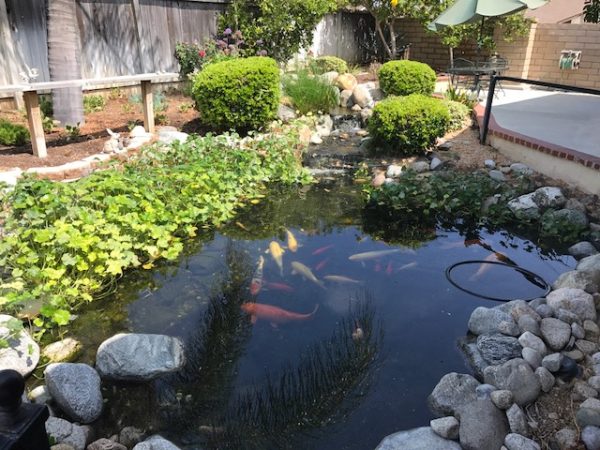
<point x="119" y="115"/>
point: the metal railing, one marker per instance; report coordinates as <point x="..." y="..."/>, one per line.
<point x="497" y="78"/>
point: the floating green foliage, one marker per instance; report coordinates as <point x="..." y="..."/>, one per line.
<point x="67" y="243"/>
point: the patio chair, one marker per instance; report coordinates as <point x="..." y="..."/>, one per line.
<point x="461" y="72"/>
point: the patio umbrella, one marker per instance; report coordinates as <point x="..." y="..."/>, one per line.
<point x="467" y="11"/>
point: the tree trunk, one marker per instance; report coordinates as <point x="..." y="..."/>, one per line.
<point x="393" y="48"/>
<point x="382" y="37"/>
<point x="451" y="51"/>
<point x="64" y="60"/>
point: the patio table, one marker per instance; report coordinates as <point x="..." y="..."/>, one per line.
<point x="479" y="71"/>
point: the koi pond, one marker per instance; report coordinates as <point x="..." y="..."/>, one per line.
<point x="333" y="344"/>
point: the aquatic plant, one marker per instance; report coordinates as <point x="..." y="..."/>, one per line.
<point x="310" y="93"/>
<point x="67" y="243"/>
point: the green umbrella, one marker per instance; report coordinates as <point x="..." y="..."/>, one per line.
<point x="466" y="11"/>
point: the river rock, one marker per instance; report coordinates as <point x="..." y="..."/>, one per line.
<point x="76" y="390"/>
<point x="330" y="77"/>
<point x="285" y="113"/>
<point x="520" y="169"/>
<point x="591" y="438"/>
<point x="484" y="391"/>
<point x="502" y="398"/>
<point x="362" y="97"/>
<point x="582" y="390"/>
<point x="530" y="340"/>
<point x="549" y="197"/>
<point x="446" y="427"/>
<point x="346" y="81"/>
<point x="105" y="444"/>
<point x="394" y="171"/>
<point x="139" y="356"/>
<point x="420" y="166"/>
<point x="590" y="264"/>
<point x="582" y="250"/>
<point x="346" y="98"/>
<point x="489" y="164"/>
<point x="546" y="378"/>
<point x="416" y="439"/>
<point x="62" y="351"/>
<point x="556" y="333"/>
<point x="498" y="348"/>
<point x="591" y="330"/>
<point x="520" y="308"/>
<point x="575" y="300"/>
<point x="497" y="175"/>
<point x="517" y="421"/>
<point x="544" y="311"/>
<point x="315" y="139"/>
<point x="40" y="395"/>
<point x="514" y="441"/>
<point x="567" y="439"/>
<point x="22" y="353"/>
<point x="567" y="317"/>
<point x="172" y="136"/>
<point x="324" y="125"/>
<point x="577" y="331"/>
<point x="436" y="163"/>
<point x="589" y="413"/>
<point x="64" y="432"/>
<point x="586" y="347"/>
<point x="129" y="436"/>
<point x="588" y="281"/>
<point x="533" y="357"/>
<point x="482" y="425"/>
<point x="489" y="321"/>
<point x="156" y="442"/>
<point x="453" y="391"/>
<point x="524" y="207"/>
<point x="517" y="376"/>
<point x="473" y="355"/>
<point x="527" y="323"/>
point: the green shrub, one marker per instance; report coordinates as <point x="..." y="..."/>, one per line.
<point x="241" y="94"/>
<point x="406" y="77"/>
<point x="408" y="125"/>
<point x="310" y="93"/>
<point x="324" y="64"/>
<point x="93" y="103"/>
<point x="459" y="114"/>
<point x="11" y="134"/>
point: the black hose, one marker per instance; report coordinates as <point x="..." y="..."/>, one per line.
<point x="530" y="276"/>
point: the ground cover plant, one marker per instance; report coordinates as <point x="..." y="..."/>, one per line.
<point x="93" y="103"/>
<point x="241" y="94"/>
<point x="406" y="77"/>
<point x="11" y="134"/>
<point x="459" y="114"/>
<point x="310" y="93"/>
<point x="67" y="243"/>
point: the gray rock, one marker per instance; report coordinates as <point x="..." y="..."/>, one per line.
<point x="436" y="163"/>
<point x="544" y="311"/>
<point x="362" y="97"/>
<point x="473" y="355"/>
<point x="520" y="308"/>
<point x="575" y="300"/>
<point x="533" y="304"/>
<point x="482" y="425"/>
<point x="594" y="381"/>
<point x="285" y="113"/>
<point x="552" y="362"/>
<point x="592" y="331"/>
<point x="496" y="175"/>
<point x="517" y="421"/>
<point x="324" y="125"/>
<point x="64" y="432"/>
<point x="139" y="356"/>
<point x="489" y="164"/>
<point x="330" y="77"/>
<point x="22" y="353"/>
<point x="129" y="436"/>
<point x="509" y="328"/>
<point x="567" y="438"/>
<point x="315" y="139"/>
<point x="484" y="391"/>
<point x="517" y="376"/>
<point x="170" y="137"/>
<point x="76" y="390"/>
<point x="576" y="355"/>
<point x="446" y="427"/>
<point x="497" y="348"/>
<point x="520" y="169"/>
<point x="582" y="391"/>
<point x="529" y="324"/>
<point x="549" y="197"/>
<point x="533" y="357"/>
<point x="420" y="166"/>
<point x="578" y="279"/>
<point x="524" y="207"/>
<point x="453" y="391"/>
<point x="530" y="340"/>
<point x="591" y="438"/>
<point x="573" y="203"/>
<point x="62" y="351"/>
<point x="502" y="398"/>
<point x="555" y="332"/>
<point x="365" y="115"/>
<point x="577" y="331"/>
<point x="515" y="441"/>
<point x="586" y="347"/>
<point x="105" y="444"/>
<point x="557" y="219"/>
<point x="394" y="171"/>
<point x="487" y="320"/>
<point x="346" y="99"/>
<point x="40" y="395"/>
<point x="589" y="413"/>
<point x="416" y="439"/>
<point x="156" y="442"/>
<point x="567" y="316"/>
<point x="546" y="378"/>
<point x="582" y="250"/>
<point x="590" y="264"/>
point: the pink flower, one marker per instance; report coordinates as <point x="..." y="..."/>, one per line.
<point x="202" y="53"/>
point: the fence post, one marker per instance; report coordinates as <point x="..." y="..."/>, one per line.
<point x="22" y="426"/>
<point x="488" y="110"/>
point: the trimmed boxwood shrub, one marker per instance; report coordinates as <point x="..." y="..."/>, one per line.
<point x="406" y="77"/>
<point x="11" y="134"/>
<point x="324" y="64"/>
<point x="240" y="94"/>
<point x="408" y="125"/>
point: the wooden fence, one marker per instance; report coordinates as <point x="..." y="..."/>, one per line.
<point x="118" y="37"/>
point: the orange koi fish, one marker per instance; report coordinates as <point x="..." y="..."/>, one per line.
<point x="322" y="249"/>
<point x="257" y="279"/>
<point x="274" y="314"/>
<point x="279" y="287"/>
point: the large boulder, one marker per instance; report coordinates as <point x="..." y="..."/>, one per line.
<point x="490" y="321"/>
<point x="76" y="390"/>
<point x="549" y="197"/>
<point x="416" y="439"/>
<point x="139" y="357"/>
<point x="346" y="81"/>
<point x="579" y="279"/>
<point x="21" y="353"/>
<point x="453" y="391"/>
<point x="156" y="442"/>
<point x="482" y="425"/>
<point x="590" y="264"/>
<point x="516" y="376"/>
<point x="582" y="250"/>
<point x="525" y="207"/>
<point x="362" y="97"/>
<point x="574" y="300"/>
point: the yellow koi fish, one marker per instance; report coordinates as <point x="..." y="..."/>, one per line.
<point x="277" y="254"/>
<point x="291" y="241"/>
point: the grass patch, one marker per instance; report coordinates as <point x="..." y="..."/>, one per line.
<point x="309" y="93"/>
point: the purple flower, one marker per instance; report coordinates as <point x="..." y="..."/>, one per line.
<point x="259" y="42"/>
<point x="227" y="31"/>
<point x="221" y="43"/>
<point x="262" y="53"/>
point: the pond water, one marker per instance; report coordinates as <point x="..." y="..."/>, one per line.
<point x="410" y="314"/>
